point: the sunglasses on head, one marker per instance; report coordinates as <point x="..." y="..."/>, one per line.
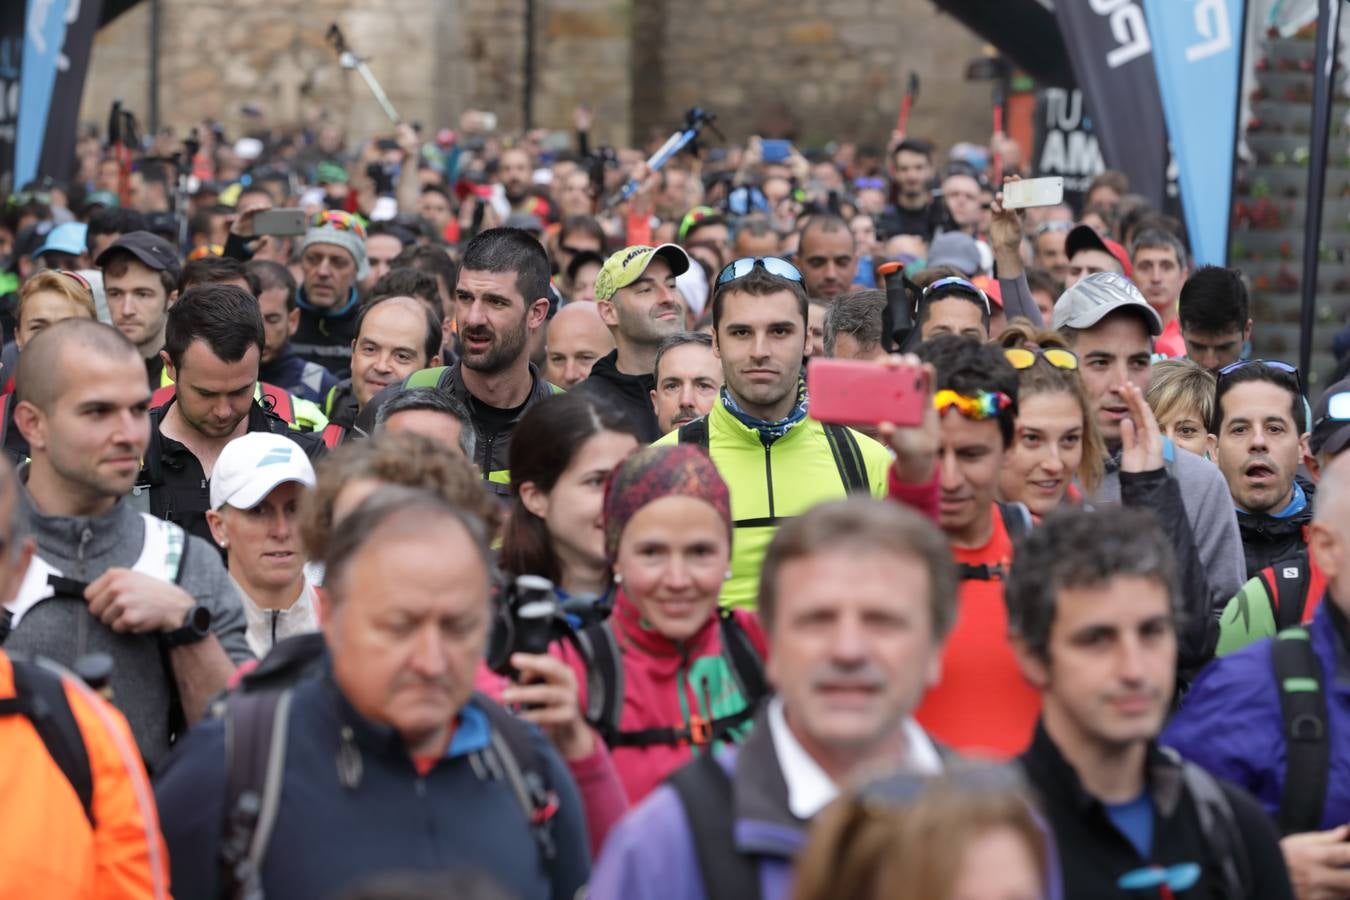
<point x="1025" y="357"/>
<point x="958" y="282"/>
<point x="342" y="221"/>
<point x="874" y="183"/>
<point x="1053" y="225"/>
<point x="75" y="277"/>
<point x="977" y="407"/>
<point x="1275" y="364"/>
<point x="774" y="265"/>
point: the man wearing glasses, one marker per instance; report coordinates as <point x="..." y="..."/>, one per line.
<point x="777" y="460"/>
<point x="333" y="260"/>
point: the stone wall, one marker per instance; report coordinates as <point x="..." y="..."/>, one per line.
<point x="807" y="68"/>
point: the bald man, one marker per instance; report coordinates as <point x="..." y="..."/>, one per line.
<point x="133" y="586"/>
<point x="577" y="337"/>
<point x="1233" y="721"/>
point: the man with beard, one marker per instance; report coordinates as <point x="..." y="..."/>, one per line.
<point x="636" y="296"/>
<point x="827" y="256"/>
<point x="213" y="342"/>
<point x="1259" y="438"/>
<point x="500" y="300"/>
<point x="515" y="171"/>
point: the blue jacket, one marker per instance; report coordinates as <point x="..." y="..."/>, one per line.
<point x="1230" y="722"/>
<point x="307" y="380"/>
<point x="328" y="838"/>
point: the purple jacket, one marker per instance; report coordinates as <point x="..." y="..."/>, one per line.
<point x="650" y="854"/>
<point x="1230" y="722"/>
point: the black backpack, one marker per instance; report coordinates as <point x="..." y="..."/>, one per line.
<point x="256" y="717"/>
<point x="1288" y="590"/>
<point x="41" y="697"/>
<point x="1303" y="706"/>
<point x="604" y="699"/>
<point x="847" y="454"/>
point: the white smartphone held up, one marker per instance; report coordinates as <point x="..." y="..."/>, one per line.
<point x="1033" y="192"/>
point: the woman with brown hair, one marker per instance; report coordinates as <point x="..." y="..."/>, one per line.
<point x="969" y="835"/>
<point x="1056" y="442"/>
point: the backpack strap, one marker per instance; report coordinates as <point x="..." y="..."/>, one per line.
<point x="706" y="793"/>
<point x="256" y="727"/>
<point x="695" y="432"/>
<point x="333" y="435"/>
<point x="848" y="458"/>
<point x="41" y="697"/>
<point x="746" y="665"/>
<point x="161" y="397"/>
<point x="1303" y="704"/>
<point x="605" y="692"/>
<point x="1286" y="584"/>
<point x="280" y="401"/>
<point x="604" y="701"/>
<point x="525" y="772"/>
<point x="1218" y="826"/>
<point x="426" y="378"/>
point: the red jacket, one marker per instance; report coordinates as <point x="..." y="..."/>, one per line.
<point x="665" y="684"/>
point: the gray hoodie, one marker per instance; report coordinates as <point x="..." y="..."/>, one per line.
<point x="1209" y="508"/>
<point x="82" y="549"/>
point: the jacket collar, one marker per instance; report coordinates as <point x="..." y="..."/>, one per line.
<point x="1291" y="522"/>
<point x="1059" y="781"/>
<point x="334" y="312"/>
<point x="606" y="368"/>
<point x="631" y="631"/>
<point x="725" y="423"/>
<point x="63" y="535"/>
<point x="764" y="824"/>
<point x="454" y="382"/>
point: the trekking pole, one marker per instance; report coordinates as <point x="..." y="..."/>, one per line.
<point x="349" y="60"/>
<point x="694" y="122"/>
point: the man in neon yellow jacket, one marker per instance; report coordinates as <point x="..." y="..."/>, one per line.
<point x="777" y="461"/>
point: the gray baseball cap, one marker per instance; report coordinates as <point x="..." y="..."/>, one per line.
<point x="1096" y="297"/>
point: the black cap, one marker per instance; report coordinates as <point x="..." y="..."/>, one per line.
<point x="1330" y="435"/>
<point x="150" y="249"/>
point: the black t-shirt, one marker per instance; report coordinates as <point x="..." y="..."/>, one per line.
<point x="493" y="420"/>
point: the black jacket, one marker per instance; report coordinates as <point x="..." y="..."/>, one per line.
<point x="493" y="450"/>
<point x="629" y="395"/>
<point x="1095" y="856"/>
<point x="325" y="335"/>
<point x="1266" y="540"/>
<point x="178" y="488"/>
<point x="339" y="404"/>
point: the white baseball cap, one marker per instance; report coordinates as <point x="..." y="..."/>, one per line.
<point x="250" y="467"/>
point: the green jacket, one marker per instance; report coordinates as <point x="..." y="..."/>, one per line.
<point x="774" y="483"/>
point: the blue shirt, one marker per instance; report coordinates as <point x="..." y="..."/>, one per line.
<point x="1134" y="820"/>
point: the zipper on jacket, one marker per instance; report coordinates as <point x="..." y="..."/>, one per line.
<point x="86" y="536"/>
<point x="768" y="475"/>
<point x="276" y="614"/>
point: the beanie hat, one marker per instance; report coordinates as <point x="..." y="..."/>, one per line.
<point x="340" y="229"/>
<point x="679" y="470"/>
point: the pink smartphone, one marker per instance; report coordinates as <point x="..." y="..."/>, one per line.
<point x="852" y="392"/>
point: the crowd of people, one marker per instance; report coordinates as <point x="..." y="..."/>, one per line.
<point x="415" y="518"/>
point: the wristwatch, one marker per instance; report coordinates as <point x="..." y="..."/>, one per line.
<point x="195" y="627"/>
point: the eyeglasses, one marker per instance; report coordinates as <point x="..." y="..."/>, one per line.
<point x="898" y="789"/>
<point x="1025" y="357"/>
<point x="978" y="406"/>
<point x="342" y="221"/>
<point x="953" y="281"/>
<point x="774" y="265"/>
<point x="1338" y="409"/>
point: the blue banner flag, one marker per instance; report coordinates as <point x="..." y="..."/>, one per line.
<point x="1197" y="50"/>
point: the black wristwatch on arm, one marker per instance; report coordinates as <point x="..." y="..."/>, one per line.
<point x="196" y="627"/>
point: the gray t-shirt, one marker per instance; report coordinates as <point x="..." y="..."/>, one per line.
<point x="61" y="628"/>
